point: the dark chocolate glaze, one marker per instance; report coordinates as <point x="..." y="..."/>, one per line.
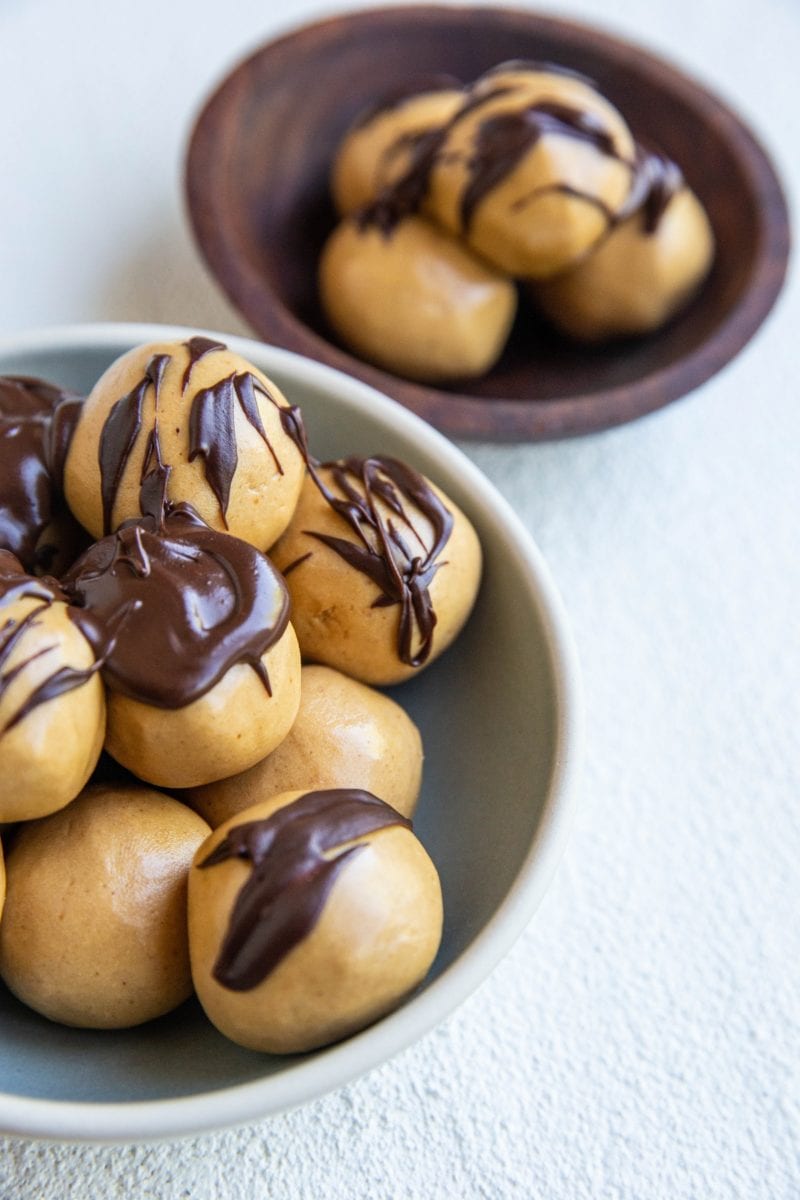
<point x="656" y="180"/>
<point x="212" y="434"/>
<point x="504" y="139"/>
<point x="59" y="436"/>
<point x="297" y="854"/>
<point x="388" y="550"/>
<point x="501" y="141"/>
<point x="171" y="605"/>
<point x="30" y="484"/>
<point x="16" y="585"/>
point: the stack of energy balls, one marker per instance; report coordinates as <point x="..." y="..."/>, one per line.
<point x="247" y="831"/>
<point x="453" y="197"/>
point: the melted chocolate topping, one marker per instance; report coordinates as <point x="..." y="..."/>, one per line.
<point x="170" y="607"/>
<point x="16" y="585"/>
<point x="388" y="550"/>
<point x="297" y="855"/>
<point x="212" y="434"/>
<point x="31" y="483"/>
<point x="501" y="141"/>
<point x="656" y="180"/>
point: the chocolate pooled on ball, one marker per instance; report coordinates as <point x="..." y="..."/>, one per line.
<point x="311" y="915"/>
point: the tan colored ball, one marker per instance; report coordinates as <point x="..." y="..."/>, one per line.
<point x="414" y="300"/>
<point x="52" y="705"/>
<point x="347" y="920"/>
<point x="226" y="730"/>
<point x="205" y="413"/>
<point x="382" y="594"/>
<point x="637" y="278"/>
<point x="94" y="928"/>
<point x="378" y="149"/>
<point x="345" y="735"/>
<point x="532" y="170"/>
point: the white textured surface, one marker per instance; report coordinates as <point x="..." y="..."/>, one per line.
<point x="642" y="1041"/>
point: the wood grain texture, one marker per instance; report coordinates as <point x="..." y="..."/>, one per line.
<point x="256" y="186"/>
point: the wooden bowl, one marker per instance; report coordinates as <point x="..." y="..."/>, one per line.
<point x="256" y="180"/>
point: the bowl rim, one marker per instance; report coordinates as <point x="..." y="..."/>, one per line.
<point x="502" y="418"/>
<point x="329" y="1069"/>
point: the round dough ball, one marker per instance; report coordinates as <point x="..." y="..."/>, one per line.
<point x="345" y="735"/>
<point x="191" y="421"/>
<point x="224" y="731"/>
<point x="532" y="169"/>
<point x="349" y="919"/>
<point x="201" y="662"/>
<point x="2" y="880"/>
<point x="382" y="582"/>
<point x="94" y="929"/>
<point x="378" y="148"/>
<point x="412" y="299"/>
<point x="639" y="276"/>
<point x="52" y="702"/>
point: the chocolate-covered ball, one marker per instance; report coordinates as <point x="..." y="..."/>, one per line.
<point x="646" y="269"/>
<point x="186" y="422"/>
<point x="52" y="705"/>
<point x="201" y="662"/>
<point x="94" y="930"/>
<point x="532" y="169"/>
<point x="381" y="566"/>
<point x="407" y="296"/>
<point x="377" y="149"/>
<point x="345" y="735"/>
<point x="311" y="915"/>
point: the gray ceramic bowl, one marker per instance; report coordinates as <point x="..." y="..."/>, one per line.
<point x="499" y="715"/>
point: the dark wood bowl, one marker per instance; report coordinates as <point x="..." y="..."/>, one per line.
<point x="256" y="182"/>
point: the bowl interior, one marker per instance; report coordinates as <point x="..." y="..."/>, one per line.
<point x="257" y="175"/>
<point x="491" y="712"/>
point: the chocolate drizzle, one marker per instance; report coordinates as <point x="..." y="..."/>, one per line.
<point x="212" y="433"/>
<point x="656" y="180"/>
<point x="389" y="550"/>
<point x="16" y="585"/>
<point x="31" y="483"/>
<point x="171" y="606"/>
<point x="501" y="141"/>
<point x="297" y="855"/>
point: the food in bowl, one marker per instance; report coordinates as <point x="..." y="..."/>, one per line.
<point x="190" y="629"/>
<point x="534" y="174"/>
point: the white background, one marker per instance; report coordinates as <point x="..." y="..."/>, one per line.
<point x="642" y="1040"/>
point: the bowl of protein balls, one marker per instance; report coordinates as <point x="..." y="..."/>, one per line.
<point x="289" y="725"/>
<point x="518" y="226"/>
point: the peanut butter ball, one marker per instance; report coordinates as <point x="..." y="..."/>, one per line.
<point x="646" y="269"/>
<point x="52" y="706"/>
<point x="201" y="662"/>
<point x="408" y="297"/>
<point x="531" y="170"/>
<point x="381" y="566"/>
<point x="345" y="735"/>
<point x="378" y="148"/>
<point x="94" y="931"/>
<point x="185" y="423"/>
<point x="311" y="915"/>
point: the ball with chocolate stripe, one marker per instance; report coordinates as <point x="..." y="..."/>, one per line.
<point x="186" y="422"/>
<point x="201" y="661"/>
<point x="531" y="170"/>
<point x="381" y="566"/>
<point x="52" y="701"/>
<point x="648" y="267"/>
<point x="311" y="915"/>
<point x="379" y="146"/>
